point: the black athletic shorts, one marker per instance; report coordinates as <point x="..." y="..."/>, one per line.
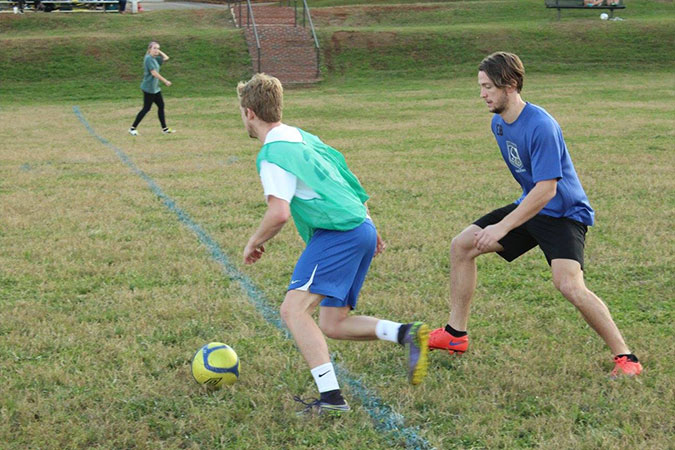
<point x="558" y="237"/>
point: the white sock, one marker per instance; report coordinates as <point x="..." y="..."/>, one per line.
<point x="387" y="330"/>
<point x="324" y="377"/>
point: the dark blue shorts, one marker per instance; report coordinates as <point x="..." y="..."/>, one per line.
<point x="335" y="264"/>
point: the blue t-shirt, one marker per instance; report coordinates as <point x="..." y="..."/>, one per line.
<point x="534" y="150"/>
<point x="150" y="84"/>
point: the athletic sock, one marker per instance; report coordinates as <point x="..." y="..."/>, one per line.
<point x="631" y="357"/>
<point x="333" y="397"/>
<point x="402" y="330"/>
<point x="387" y="330"/>
<point x="454" y="332"/>
<point x="324" y="377"/>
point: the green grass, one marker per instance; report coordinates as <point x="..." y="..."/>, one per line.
<point x="55" y="57"/>
<point x="449" y="12"/>
<point x="105" y="296"/>
<point x="438" y="39"/>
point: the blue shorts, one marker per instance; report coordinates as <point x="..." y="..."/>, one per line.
<point x="335" y="264"/>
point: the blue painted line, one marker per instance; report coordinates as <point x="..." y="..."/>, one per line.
<point x="384" y="417"/>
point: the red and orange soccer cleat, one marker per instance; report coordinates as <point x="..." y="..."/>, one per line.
<point x="439" y="339"/>
<point x="624" y="366"/>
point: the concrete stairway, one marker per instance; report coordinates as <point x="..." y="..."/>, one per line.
<point x="286" y="51"/>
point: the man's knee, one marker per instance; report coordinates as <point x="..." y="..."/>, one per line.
<point x="297" y="303"/>
<point x="329" y="328"/>
<point x="568" y="278"/>
<point x="331" y="321"/>
<point x="571" y="288"/>
<point x="290" y="307"/>
<point x="286" y="311"/>
<point x="461" y="246"/>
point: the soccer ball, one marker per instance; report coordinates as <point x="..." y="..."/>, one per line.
<point x="604" y="16"/>
<point x="215" y="364"/>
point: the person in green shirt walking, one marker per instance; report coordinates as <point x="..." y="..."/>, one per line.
<point x="304" y="178"/>
<point x="153" y="60"/>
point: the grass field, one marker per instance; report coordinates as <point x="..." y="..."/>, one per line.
<point x="105" y="294"/>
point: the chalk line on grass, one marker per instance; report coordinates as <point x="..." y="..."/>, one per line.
<point x="384" y="417"/>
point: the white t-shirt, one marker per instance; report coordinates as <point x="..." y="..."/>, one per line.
<point x="277" y="181"/>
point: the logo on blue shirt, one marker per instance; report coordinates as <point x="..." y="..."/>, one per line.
<point x="514" y="157"/>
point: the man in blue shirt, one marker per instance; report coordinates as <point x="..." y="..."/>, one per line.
<point x="553" y="213"/>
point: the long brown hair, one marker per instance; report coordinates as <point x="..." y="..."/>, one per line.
<point x="504" y="69"/>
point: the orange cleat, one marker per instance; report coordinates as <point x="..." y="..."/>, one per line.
<point x="624" y="366"/>
<point x="439" y="339"/>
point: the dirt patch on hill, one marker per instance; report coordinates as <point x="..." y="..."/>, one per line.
<point x="341" y="41"/>
<point x="362" y="15"/>
<point x="356" y="39"/>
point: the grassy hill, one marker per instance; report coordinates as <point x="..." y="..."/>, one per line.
<point x="107" y="287"/>
<point x="433" y="40"/>
<point x="93" y="56"/>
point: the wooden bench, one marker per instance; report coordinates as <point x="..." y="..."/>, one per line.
<point x="579" y="4"/>
<point x="64" y="5"/>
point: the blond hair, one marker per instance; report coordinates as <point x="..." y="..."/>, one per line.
<point x="504" y="69"/>
<point x="264" y="95"/>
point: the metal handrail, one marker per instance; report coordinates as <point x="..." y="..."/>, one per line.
<point x="255" y="29"/>
<point x="311" y="26"/>
<point x="249" y="20"/>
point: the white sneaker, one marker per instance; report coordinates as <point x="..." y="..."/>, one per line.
<point x="133" y="132"/>
<point x="168" y="130"/>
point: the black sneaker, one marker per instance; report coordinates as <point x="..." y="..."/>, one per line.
<point x="319" y="407"/>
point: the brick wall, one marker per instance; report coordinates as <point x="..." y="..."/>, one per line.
<point x="286" y="51"/>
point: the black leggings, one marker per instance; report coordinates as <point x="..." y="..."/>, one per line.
<point x="148" y="100"/>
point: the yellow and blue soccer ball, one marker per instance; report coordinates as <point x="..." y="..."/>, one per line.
<point x="215" y="364"/>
